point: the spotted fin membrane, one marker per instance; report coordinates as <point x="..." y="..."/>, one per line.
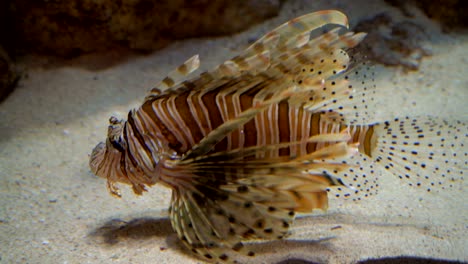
<point x="424" y="152"/>
<point x="216" y="215"/>
<point x="428" y="152"/>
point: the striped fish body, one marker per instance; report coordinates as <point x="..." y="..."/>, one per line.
<point x="175" y="123"/>
<point x="168" y="127"/>
<point x="265" y="134"/>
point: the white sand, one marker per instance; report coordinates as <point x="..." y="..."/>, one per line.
<point x="53" y="210"/>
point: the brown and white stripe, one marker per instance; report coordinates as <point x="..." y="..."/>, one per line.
<point x="177" y="122"/>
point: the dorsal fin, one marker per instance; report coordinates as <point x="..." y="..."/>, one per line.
<point x="175" y="76"/>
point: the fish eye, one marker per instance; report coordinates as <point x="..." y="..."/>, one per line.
<point x="113" y="120"/>
<point x="115" y="133"/>
<point x="117" y="144"/>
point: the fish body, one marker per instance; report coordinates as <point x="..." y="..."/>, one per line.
<point x="247" y="145"/>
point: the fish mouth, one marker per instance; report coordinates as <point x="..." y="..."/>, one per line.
<point x="97" y="156"/>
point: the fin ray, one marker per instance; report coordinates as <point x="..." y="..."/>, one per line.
<point x="175" y="76"/>
<point x="425" y="152"/>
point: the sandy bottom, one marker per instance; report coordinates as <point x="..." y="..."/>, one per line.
<point x="54" y="210"/>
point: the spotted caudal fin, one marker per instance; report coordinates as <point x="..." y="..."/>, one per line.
<point x="428" y="153"/>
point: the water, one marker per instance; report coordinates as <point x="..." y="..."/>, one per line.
<point x="52" y="205"/>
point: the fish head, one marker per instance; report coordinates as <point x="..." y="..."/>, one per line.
<point x="110" y="160"/>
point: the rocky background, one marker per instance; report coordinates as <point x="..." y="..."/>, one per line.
<point x="68" y="29"/>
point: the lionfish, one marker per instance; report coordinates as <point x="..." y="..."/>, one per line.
<point x="263" y="136"/>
